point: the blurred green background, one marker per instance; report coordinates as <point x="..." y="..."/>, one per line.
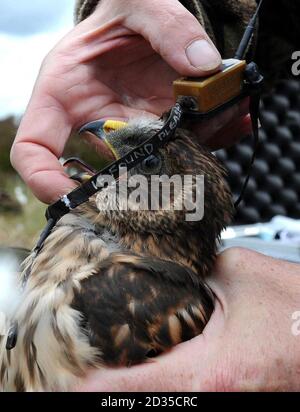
<point x="28" y="31"/>
<point x="21" y="214"/>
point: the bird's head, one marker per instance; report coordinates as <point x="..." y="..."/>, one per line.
<point x="174" y="201"/>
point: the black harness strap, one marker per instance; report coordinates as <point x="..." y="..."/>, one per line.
<point x="254" y="83"/>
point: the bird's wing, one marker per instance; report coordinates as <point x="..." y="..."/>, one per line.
<point x="135" y="308"/>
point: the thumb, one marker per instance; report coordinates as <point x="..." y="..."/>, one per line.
<point x="176" y="35"/>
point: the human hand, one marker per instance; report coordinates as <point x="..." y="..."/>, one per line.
<point x="248" y="344"/>
<point x="118" y="63"/>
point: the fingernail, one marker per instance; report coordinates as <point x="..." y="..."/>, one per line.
<point x="203" y="55"/>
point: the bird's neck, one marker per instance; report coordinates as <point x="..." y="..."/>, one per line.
<point x="185" y="251"/>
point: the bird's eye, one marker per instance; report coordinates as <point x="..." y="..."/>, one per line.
<point x="151" y="165"/>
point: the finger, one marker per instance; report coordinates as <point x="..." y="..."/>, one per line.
<point x="176" y="35"/>
<point x="208" y="128"/>
<point x="235" y="125"/>
<point x="41" y="171"/>
<point x="42" y="135"/>
<point x="226" y="127"/>
<point x="172" y="31"/>
<point x="230" y="134"/>
<point x="39" y="143"/>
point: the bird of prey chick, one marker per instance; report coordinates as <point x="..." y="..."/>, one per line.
<point x="114" y="287"/>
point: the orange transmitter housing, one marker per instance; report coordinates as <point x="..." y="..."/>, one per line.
<point x="215" y="90"/>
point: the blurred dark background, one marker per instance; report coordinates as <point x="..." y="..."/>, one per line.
<point x="274" y="186"/>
